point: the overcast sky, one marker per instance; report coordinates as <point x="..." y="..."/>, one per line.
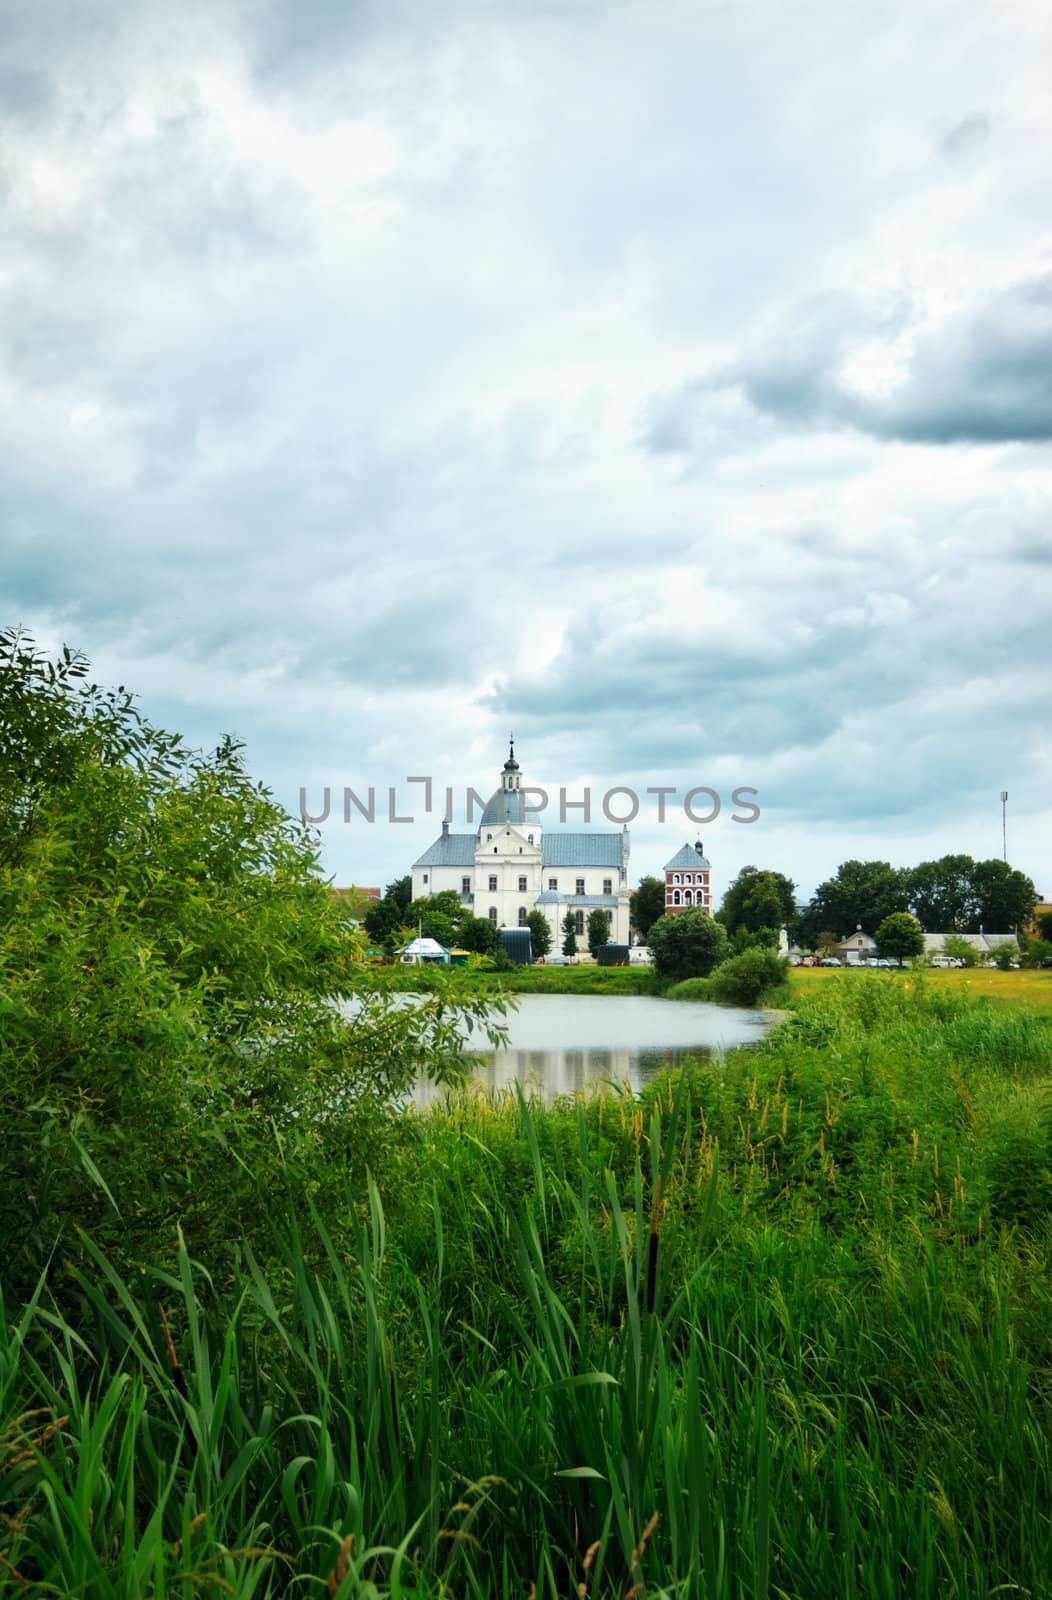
<point x="669" y="383"/>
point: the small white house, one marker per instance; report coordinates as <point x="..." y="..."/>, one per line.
<point x="422" y="951"/>
<point x="858" y="946"/>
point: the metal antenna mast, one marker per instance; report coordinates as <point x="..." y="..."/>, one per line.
<point x="1004" y="825"/>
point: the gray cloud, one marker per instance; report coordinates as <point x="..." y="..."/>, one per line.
<point x="983" y="378"/>
<point x="329" y="337"/>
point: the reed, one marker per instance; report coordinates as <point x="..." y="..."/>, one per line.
<point x="762" y="1333"/>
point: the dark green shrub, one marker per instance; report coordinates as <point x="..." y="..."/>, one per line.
<point x="745" y="978"/>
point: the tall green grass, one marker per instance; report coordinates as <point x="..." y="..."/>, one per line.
<point x="761" y="1334"/>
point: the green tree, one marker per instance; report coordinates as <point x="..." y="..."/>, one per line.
<point x="758" y="899"/>
<point x="646" y="905"/>
<point x="1006" y="956"/>
<point x="479" y="935"/>
<point x="959" y="949"/>
<point x="436" y="916"/>
<point x="1004" y="897"/>
<point x="688" y="944"/>
<point x="899" y="937"/>
<point x="400" y="892"/>
<point x="569" y="934"/>
<point x="170" y="1052"/>
<point x="540" y="934"/>
<point x="598" y="928"/>
<point x="382" y="920"/>
<point x="860" y="894"/>
<point x="1044" y="926"/>
<point x="941" y="894"/>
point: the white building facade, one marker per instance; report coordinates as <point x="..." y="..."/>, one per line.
<point x="509" y="867"/>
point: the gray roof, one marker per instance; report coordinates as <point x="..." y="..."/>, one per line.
<point x="551" y="898"/>
<point x="983" y="942"/>
<point x="581" y="850"/>
<point x="449" y="850"/>
<point x="687" y="857"/>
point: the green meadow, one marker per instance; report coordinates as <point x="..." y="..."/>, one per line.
<point x="778" y="1327"/>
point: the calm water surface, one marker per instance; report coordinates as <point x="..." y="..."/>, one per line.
<point x="559" y="1043"/>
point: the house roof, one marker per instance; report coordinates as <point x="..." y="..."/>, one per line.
<point x="686" y="857"/>
<point x="449" y="850"/>
<point x="557" y="850"/>
<point x="551" y="897"/>
<point x="581" y="850"/>
<point x="424" y="947"/>
<point x="982" y="942"/>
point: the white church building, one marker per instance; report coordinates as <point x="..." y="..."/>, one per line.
<point x="510" y="866"/>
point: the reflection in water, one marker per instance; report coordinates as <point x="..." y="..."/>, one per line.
<point x="562" y="1044"/>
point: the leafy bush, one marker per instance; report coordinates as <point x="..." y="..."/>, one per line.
<point x="690" y="989"/>
<point x="745" y="978"/>
<point x="687" y="945"/>
<point x="169" y="953"/>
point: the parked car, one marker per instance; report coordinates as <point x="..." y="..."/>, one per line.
<point x="1046" y="963"/>
<point x="640" y="955"/>
<point x="830" y="961"/>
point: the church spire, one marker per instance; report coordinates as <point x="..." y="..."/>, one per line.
<point x="511" y="765"/>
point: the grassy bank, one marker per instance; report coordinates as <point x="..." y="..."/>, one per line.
<point x="586" y="979"/>
<point x="780" y="1328"/>
<point x="1026" y="988"/>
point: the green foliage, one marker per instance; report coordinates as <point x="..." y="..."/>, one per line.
<point x="1044" y="926"/>
<point x="169" y="1048"/>
<point x="569" y="934"/>
<point x="436" y="916"/>
<point x="788" y="1313"/>
<point x="400" y="892"/>
<point x="598" y="926"/>
<point x="899" y="937"/>
<point x="690" y="989"/>
<point x="1006" y="956"/>
<point x="688" y="944"/>
<point x="540" y="933"/>
<point x="747" y="939"/>
<point x="957" y="894"/>
<point x="960" y="950"/>
<point x="758" y="900"/>
<point x="860" y="894"/>
<point x="478" y="934"/>
<point x="646" y="904"/>
<point x="744" y="979"/>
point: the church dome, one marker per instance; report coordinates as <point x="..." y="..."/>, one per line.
<point x="504" y="806"/>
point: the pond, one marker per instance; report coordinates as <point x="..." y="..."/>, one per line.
<point x="560" y="1043"/>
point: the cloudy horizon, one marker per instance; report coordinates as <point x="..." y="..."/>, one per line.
<point x="670" y="385"/>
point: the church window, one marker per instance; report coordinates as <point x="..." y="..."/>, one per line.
<point x="687" y="897"/>
<point x="608" y="885"/>
<point x="522" y="885"/>
<point x="675" y="897"/>
<point x="489" y="836"/>
<point x="522" y="916"/>
<point x="529" y="838"/>
<point x="675" y="877"/>
<point x="553" y="883"/>
<point x="465" y="885"/>
<point x="425" y="877"/>
<point x="492" y="882"/>
<point x="492" y="914"/>
<point x="578" y="918"/>
<point x="580" y="886"/>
